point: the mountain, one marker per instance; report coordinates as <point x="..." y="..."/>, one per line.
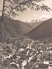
<point x="15" y="27"/>
<point x="42" y="31"/>
<point x="35" y="23"/>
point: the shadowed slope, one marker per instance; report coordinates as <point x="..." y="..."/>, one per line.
<point x="15" y="27"/>
<point x="42" y="31"/>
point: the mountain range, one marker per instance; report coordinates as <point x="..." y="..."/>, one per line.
<point x="44" y="30"/>
<point x="15" y="28"/>
<point x="34" y="30"/>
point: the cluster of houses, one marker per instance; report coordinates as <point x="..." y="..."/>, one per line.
<point x="31" y="54"/>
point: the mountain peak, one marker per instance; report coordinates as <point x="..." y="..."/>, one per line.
<point x="42" y="31"/>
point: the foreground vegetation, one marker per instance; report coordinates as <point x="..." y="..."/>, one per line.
<point x="25" y="53"/>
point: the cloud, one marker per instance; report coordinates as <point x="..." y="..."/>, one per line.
<point x="45" y="16"/>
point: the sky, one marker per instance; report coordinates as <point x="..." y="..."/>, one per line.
<point x="1" y="1"/>
<point x="29" y="15"/>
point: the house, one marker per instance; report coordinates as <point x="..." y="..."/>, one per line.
<point x="50" y="63"/>
<point x="46" y="62"/>
<point x="43" y="66"/>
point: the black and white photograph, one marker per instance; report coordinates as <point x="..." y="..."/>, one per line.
<point x="25" y="34"/>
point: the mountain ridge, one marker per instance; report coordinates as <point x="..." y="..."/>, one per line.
<point x="42" y="31"/>
<point x="13" y="28"/>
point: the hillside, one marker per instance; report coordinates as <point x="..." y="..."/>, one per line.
<point x="42" y="31"/>
<point x="15" y="27"/>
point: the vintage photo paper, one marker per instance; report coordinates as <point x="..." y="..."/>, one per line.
<point x="25" y="34"/>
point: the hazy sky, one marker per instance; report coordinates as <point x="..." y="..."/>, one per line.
<point x="1" y="6"/>
<point x="28" y="15"/>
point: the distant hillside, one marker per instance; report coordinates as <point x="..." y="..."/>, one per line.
<point x="35" y="24"/>
<point x="15" y="27"/>
<point x="42" y="31"/>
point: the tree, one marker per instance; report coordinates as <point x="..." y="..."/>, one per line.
<point x="11" y="6"/>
